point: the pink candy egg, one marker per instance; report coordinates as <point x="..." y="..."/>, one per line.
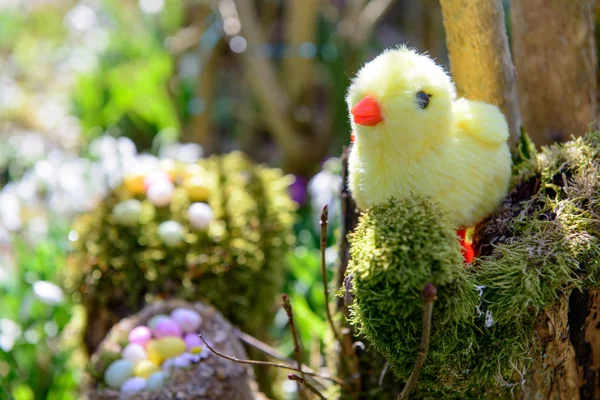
<point x="192" y="341"/>
<point x="167" y="327"/>
<point x="140" y="335"/>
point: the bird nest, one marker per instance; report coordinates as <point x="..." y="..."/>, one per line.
<point x="212" y="377"/>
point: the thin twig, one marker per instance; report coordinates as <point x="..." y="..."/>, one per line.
<point x="383" y="372"/>
<point x="324" y="222"/>
<point x="273" y="364"/>
<point x="268" y="350"/>
<point x="294" y="377"/>
<point x="429" y="295"/>
<point x="287" y="306"/>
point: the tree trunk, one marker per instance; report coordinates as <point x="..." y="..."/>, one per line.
<point x="480" y="57"/>
<point x="555" y="57"/>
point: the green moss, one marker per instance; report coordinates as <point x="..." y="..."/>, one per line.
<point x="235" y="265"/>
<point x="543" y="242"/>
<point x="397" y="248"/>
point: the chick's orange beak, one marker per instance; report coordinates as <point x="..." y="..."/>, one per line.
<point x="366" y="112"/>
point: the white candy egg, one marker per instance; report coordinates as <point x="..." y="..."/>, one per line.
<point x="127" y="212"/>
<point x="134" y="353"/>
<point x="160" y="193"/>
<point x="200" y="215"/>
<point x="171" y="233"/>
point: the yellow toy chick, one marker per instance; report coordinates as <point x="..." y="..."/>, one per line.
<point x="411" y="134"/>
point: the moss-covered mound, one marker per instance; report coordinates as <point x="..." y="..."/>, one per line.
<point x="542" y="243"/>
<point x="398" y="248"/>
<point x="122" y="260"/>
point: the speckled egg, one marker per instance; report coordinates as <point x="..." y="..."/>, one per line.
<point x="160" y="193"/>
<point x="133" y="385"/>
<point x="167" y="327"/>
<point x="200" y="215"/>
<point x="156" y="380"/>
<point x="188" y="320"/>
<point x="145" y="368"/>
<point x="127" y="212"/>
<point x="134" y="183"/>
<point x="197" y="188"/>
<point x="156" y="176"/>
<point x="171" y="233"/>
<point x="193" y="343"/>
<point x="152" y="351"/>
<point x="169" y="346"/>
<point x="140" y="335"/>
<point x="155" y="319"/>
<point x="135" y="353"/>
<point x="118" y="372"/>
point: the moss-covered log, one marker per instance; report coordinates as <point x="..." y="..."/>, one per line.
<point x="534" y="332"/>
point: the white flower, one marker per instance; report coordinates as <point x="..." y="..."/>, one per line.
<point x="9" y="332"/>
<point x="48" y="292"/>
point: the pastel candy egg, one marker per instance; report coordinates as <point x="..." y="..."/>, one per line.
<point x="160" y="193"/>
<point x="134" y="183"/>
<point x="133" y="385"/>
<point x="135" y="353"/>
<point x="170" y="346"/>
<point x="167" y="327"/>
<point x="188" y="320"/>
<point x="156" y="380"/>
<point x="145" y="368"/>
<point x="156" y="176"/>
<point x="171" y="233"/>
<point x="197" y="188"/>
<point x="200" y="215"/>
<point x="155" y="319"/>
<point x="127" y="212"/>
<point x="118" y="372"/>
<point x="152" y="351"/>
<point x="193" y="343"/>
<point x="140" y="335"/>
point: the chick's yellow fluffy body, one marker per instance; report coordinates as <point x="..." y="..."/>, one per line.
<point x="454" y="151"/>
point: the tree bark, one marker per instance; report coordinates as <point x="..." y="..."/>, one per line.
<point x="480" y="56"/>
<point x="555" y="56"/>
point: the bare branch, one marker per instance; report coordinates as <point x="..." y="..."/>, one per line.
<point x="324" y="223"/>
<point x="294" y="377"/>
<point x="287" y="306"/>
<point x="429" y="295"/>
<point x="272" y="364"/>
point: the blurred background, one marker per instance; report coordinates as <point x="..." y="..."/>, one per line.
<point x="87" y="85"/>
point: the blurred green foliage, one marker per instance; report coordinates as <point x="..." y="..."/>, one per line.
<point x="37" y="347"/>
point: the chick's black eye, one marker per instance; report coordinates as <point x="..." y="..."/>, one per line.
<point x="423" y="99"/>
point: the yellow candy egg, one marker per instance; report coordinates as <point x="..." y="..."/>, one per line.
<point x="197" y="188"/>
<point x="152" y="352"/>
<point x="145" y="368"/>
<point x="193" y="170"/>
<point x="170" y="346"/>
<point x="135" y="184"/>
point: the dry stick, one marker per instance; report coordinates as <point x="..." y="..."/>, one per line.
<point x="324" y="221"/>
<point x="429" y="295"/>
<point x="287" y="306"/>
<point x="268" y="350"/>
<point x="272" y="364"/>
<point x="294" y="377"/>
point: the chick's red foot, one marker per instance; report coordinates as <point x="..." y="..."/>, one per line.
<point x="352" y="137"/>
<point x="465" y="247"/>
